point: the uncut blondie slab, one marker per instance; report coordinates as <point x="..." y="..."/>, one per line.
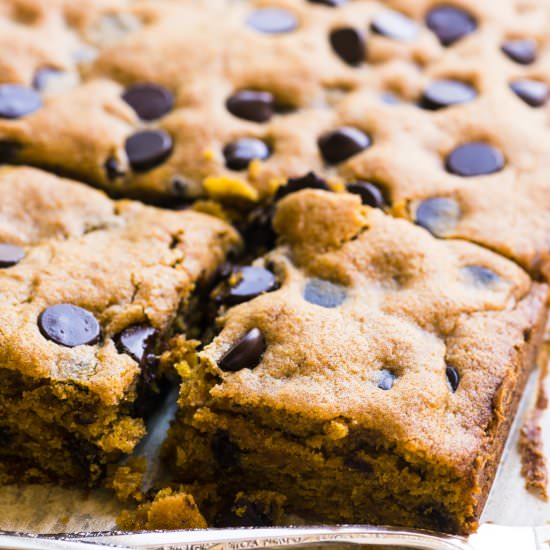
<point x="365" y="371"/>
<point x="91" y="288"/>
<point x="440" y="108"/>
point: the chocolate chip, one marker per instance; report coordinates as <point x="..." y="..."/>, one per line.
<point x="113" y="168"/>
<point x="438" y="215"/>
<point x="251" y="105"/>
<point x="444" y="93"/>
<point x="370" y="194"/>
<point x="533" y="92"/>
<point x="225" y="452"/>
<point x="135" y="340"/>
<point x="309" y="181"/>
<point x="355" y="463"/>
<point x="244" y="354"/>
<point x="329" y="3"/>
<point x="10" y="254"/>
<point x="343" y="143"/>
<point x="324" y="293"/>
<point x="480" y="276"/>
<point x="69" y="325"/>
<point x="42" y="76"/>
<point x="272" y="20"/>
<point x="17" y="101"/>
<point x="386" y="379"/>
<point x="149" y="101"/>
<point x="452" y="377"/>
<point x="393" y="24"/>
<point x="252" y="281"/>
<point x="349" y="44"/>
<point x="474" y="159"/>
<point x="148" y="148"/>
<point x="9" y="150"/>
<point x="241" y="152"/>
<point x="450" y="23"/>
<point x="249" y="514"/>
<point x="521" y="51"/>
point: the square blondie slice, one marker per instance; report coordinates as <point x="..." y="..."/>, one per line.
<point x="91" y="289"/>
<point x="365" y="372"/>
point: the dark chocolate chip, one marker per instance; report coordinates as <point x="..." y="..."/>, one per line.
<point x="452" y="377"/>
<point x="69" y="325"/>
<point x="329" y="3"/>
<point x="349" y="43"/>
<point x="386" y="379"/>
<point x="10" y="254"/>
<point x="343" y="143"/>
<point x="394" y="25"/>
<point x="324" y="293"/>
<point x="9" y="150"/>
<point x="244" y="354"/>
<point x="113" y="168"/>
<point x="450" y="23"/>
<point x="474" y="159"/>
<point x="135" y="340"/>
<point x="521" y="51"/>
<point x="533" y="92"/>
<point x="438" y="215"/>
<point x="252" y="281"/>
<point x="272" y="20"/>
<point x="251" y="105"/>
<point x="240" y="153"/>
<point x="249" y="514"/>
<point x="225" y="452"/>
<point x="42" y="76"/>
<point x="480" y="276"/>
<point x="444" y="93"/>
<point x="309" y="181"/>
<point x="149" y="101"/>
<point x="370" y="194"/>
<point x="148" y="148"/>
<point x="17" y="101"/>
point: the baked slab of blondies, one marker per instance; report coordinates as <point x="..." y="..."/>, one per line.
<point x="365" y="371"/>
<point x="90" y="289"/>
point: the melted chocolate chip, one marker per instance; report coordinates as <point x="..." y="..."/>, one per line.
<point x="474" y="159"/>
<point x="113" y="168"/>
<point x="370" y="194"/>
<point x="349" y="44"/>
<point x="521" y="51"/>
<point x="135" y="340"/>
<point x="309" y="181"/>
<point x="341" y="144"/>
<point x="240" y="153"/>
<point x="17" y="101"/>
<point x="225" y="452"/>
<point x="69" y="325"/>
<point x="148" y="148"/>
<point x="42" y="76"/>
<point x="149" y="101"/>
<point x="252" y="281"/>
<point x="244" y="354"/>
<point x="324" y="293"/>
<point x="395" y="25"/>
<point x="386" y="379"/>
<point x="272" y="20"/>
<point x="480" y="276"/>
<point x="444" y="93"/>
<point x="329" y="3"/>
<point x="450" y="23"/>
<point x="10" y="254"/>
<point x="533" y="92"/>
<point x="251" y="105"/>
<point x="452" y="377"/>
<point x="439" y="215"/>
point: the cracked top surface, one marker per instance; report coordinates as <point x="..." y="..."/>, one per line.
<point x="202" y="57"/>
<point x="126" y="263"/>
<point x="371" y="314"/>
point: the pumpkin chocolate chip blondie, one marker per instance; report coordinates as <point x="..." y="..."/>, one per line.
<point x="91" y="290"/>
